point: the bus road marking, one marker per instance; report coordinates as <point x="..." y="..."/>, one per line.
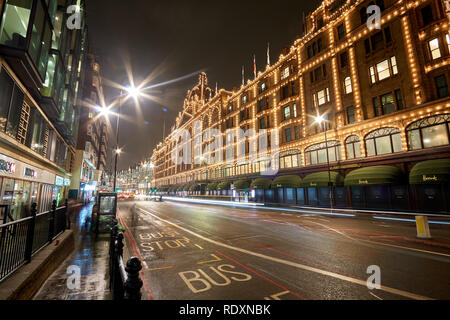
<point x="290" y="263"/>
<point x="216" y="259"/>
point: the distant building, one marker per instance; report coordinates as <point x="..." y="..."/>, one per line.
<point x="89" y="173"/>
<point x="40" y="59"/>
<point x="383" y="94"/>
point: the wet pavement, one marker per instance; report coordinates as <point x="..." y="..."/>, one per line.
<point x="198" y="252"/>
<point x="90" y="260"/>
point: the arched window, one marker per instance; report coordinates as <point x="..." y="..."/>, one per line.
<point x="383" y="141"/>
<point x="290" y="159"/>
<point x="243" y="168"/>
<point x="428" y="133"/>
<point x="262" y="165"/>
<point x="317" y="153"/>
<point x="353" y="147"/>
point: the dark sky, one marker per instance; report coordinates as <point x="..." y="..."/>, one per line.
<point x="184" y="37"/>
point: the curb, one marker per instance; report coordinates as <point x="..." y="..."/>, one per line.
<point x="27" y="281"/>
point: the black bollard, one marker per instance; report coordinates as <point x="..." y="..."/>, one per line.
<point x="134" y="283"/>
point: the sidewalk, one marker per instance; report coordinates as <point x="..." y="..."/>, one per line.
<point x="91" y="256"/>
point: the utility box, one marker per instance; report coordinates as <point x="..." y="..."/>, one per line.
<point x="106" y="212"/>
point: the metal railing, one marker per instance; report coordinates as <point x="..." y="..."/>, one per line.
<point x="125" y="282"/>
<point x="20" y="240"/>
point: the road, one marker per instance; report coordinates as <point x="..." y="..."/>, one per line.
<point x="201" y="252"/>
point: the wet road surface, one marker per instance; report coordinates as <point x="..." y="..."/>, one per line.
<point x="193" y="251"/>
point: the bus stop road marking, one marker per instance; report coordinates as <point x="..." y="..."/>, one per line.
<point x="398" y="292"/>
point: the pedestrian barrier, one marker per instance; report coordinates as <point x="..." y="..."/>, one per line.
<point x="125" y="282"/>
<point x="20" y="240"/>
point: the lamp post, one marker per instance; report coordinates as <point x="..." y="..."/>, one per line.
<point x="320" y="120"/>
<point x="132" y="92"/>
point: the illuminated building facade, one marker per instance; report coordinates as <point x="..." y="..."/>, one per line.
<point x="382" y="92"/>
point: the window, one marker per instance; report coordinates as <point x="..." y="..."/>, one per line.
<point x="297" y="132"/>
<point x="287" y="113"/>
<point x="434" y="49"/>
<point x="11" y="101"/>
<point x="290" y="159"/>
<point x="378" y="41"/>
<point x="38" y="136"/>
<point x="16" y="17"/>
<point x="387" y="103"/>
<point x="341" y="31"/>
<point x="428" y="133"/>
<point x="353" y="147"/>
<point x="383" y="141"/>
<point x="244" y="99"/>
<point x="351" y="115"/>
<point x="344" y="59"/>
<point x="427" y="15"/>
<point x="348" y="85"/>
<point x="317" y="154"/>
<point x="288" y="134"/>
<point x="321" y="97"/>
<point x="285" y="73"/>
<point x="447" y="37"/>
<point x="40" y="41"/>
<point x="383" y="70"/>
<point x="441" y="86"/>
<point x="262" y="123"/>
<point x="399" y="98"/>
<point x="284" y="94"/>
<point x="230" y="108"/>
<point x="263" y="104"/>
<point x="263" y="86"/>
<point x="294" y="107"/>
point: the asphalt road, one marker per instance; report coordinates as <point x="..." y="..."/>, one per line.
<point x="200" y="252"/>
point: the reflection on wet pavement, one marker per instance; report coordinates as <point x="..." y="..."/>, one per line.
<point x="91" y="256"/>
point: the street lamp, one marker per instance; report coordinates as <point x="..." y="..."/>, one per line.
<point x="319" y="121"/>
<point x="134" y="93"/>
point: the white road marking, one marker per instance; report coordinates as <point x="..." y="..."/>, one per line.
<point x="383" y="244"/>
<point x="293" y="264"/>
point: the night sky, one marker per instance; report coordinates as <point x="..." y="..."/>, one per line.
<point x="180" y="38"/>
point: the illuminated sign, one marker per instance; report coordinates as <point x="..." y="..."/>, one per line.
<point x="67" y="182"/>
<point x="426" y="178"/>
<point x="7" y="166"/>
<point x="59" y="181"/>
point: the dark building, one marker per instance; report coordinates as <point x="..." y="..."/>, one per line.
<point x="40" y="57"/>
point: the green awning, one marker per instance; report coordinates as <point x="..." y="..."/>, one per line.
<point x="261" y="183"/>
<point x="431" y="172"/>
<point x="322" y="179"/>
<point x="211" y="187"/>
<point x="242" y="184"/>
<point x="287" y="182"/>
<point x="374" y="175"/>
<point x="181" y="188"/>
<point x="195" y="187"/>
<point x="187" y="187"/>
<point x="223" y="186"/>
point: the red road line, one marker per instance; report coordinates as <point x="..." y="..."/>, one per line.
<point x="136" y="251"/>
<point x="261" y="276"/>
<point x="427" y="242"/>
<point x="308" y="261"/>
